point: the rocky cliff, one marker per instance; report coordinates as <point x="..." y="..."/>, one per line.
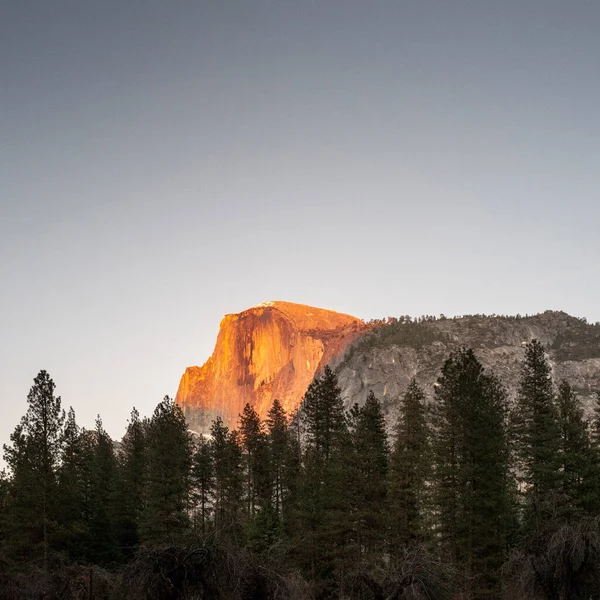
<point x="269" y="351"/>
<point x="274" y="350"/>
<point x="386" y="357"/>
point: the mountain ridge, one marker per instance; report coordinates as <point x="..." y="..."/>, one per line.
<point x="387" y="357"/>
<point x="273" y="350"/>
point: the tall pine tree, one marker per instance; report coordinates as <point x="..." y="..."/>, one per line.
<point x="278" y="440"/>
<point x="410" y="470"/>
<point x="226" y="452"/>
<point x="369" y="477"/>
<point x="203" y="485"/>
<point x="73" y="493"/>
<point x="325" y="532"/>
<point x="33" y="458"/>
<point x="131" y="483"/>
<point x="472" y="473"/>
<point x="576" y="483"/>
<point x="322" y="413"/>
<point x="256" y="460"/>
<point x="169" y="461"/>
<point x="536" y="432"/>
<point x="102" y="521"/>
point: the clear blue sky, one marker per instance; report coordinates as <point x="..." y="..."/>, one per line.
<point x="164" y="163"/>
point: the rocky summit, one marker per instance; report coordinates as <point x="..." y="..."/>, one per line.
<point x="273" y="350"/>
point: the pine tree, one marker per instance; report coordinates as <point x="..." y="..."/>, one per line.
<point x="595" y="424"/>
<point x="558" y="553"/>
<point x="410" y="469"/>
<point x="226" y="451"/>
<point x="323" y="415"/>
<point x="471" y="473"/>
<point x="220" y="456"/>
<point x="595" y="453"/>
<point x="371" y="452"/>
<point x="131" y="484"/>
<point x="169" y="458"/>
<point x="292" y="476"/>
<point x="203" y="484"/>
<point x="102" y="522"/>
<point x="575" y="476"/>
<point x="33" y="458"/>
<point x="278" y="440"/>
<point x="274" y="479"/>
<point x="323" y="501"/>
<point x="535" y="430"/>
<point x="87" y="469"/>
<point x="256" y="460"/>
<point x="4" y="499"/>
<point x="72" y="482"/>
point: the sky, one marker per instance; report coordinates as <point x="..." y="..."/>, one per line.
<point x="165" y="163"/>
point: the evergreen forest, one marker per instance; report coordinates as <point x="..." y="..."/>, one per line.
<point x="473" y="496"/>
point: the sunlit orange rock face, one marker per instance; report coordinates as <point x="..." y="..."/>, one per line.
<point x="269" y="351"/>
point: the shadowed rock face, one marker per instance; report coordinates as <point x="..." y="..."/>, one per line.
<point x="269" y="351"/>
<point x="386" y="358"/>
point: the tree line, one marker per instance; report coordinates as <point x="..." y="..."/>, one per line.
<point x="472" y="496"/>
